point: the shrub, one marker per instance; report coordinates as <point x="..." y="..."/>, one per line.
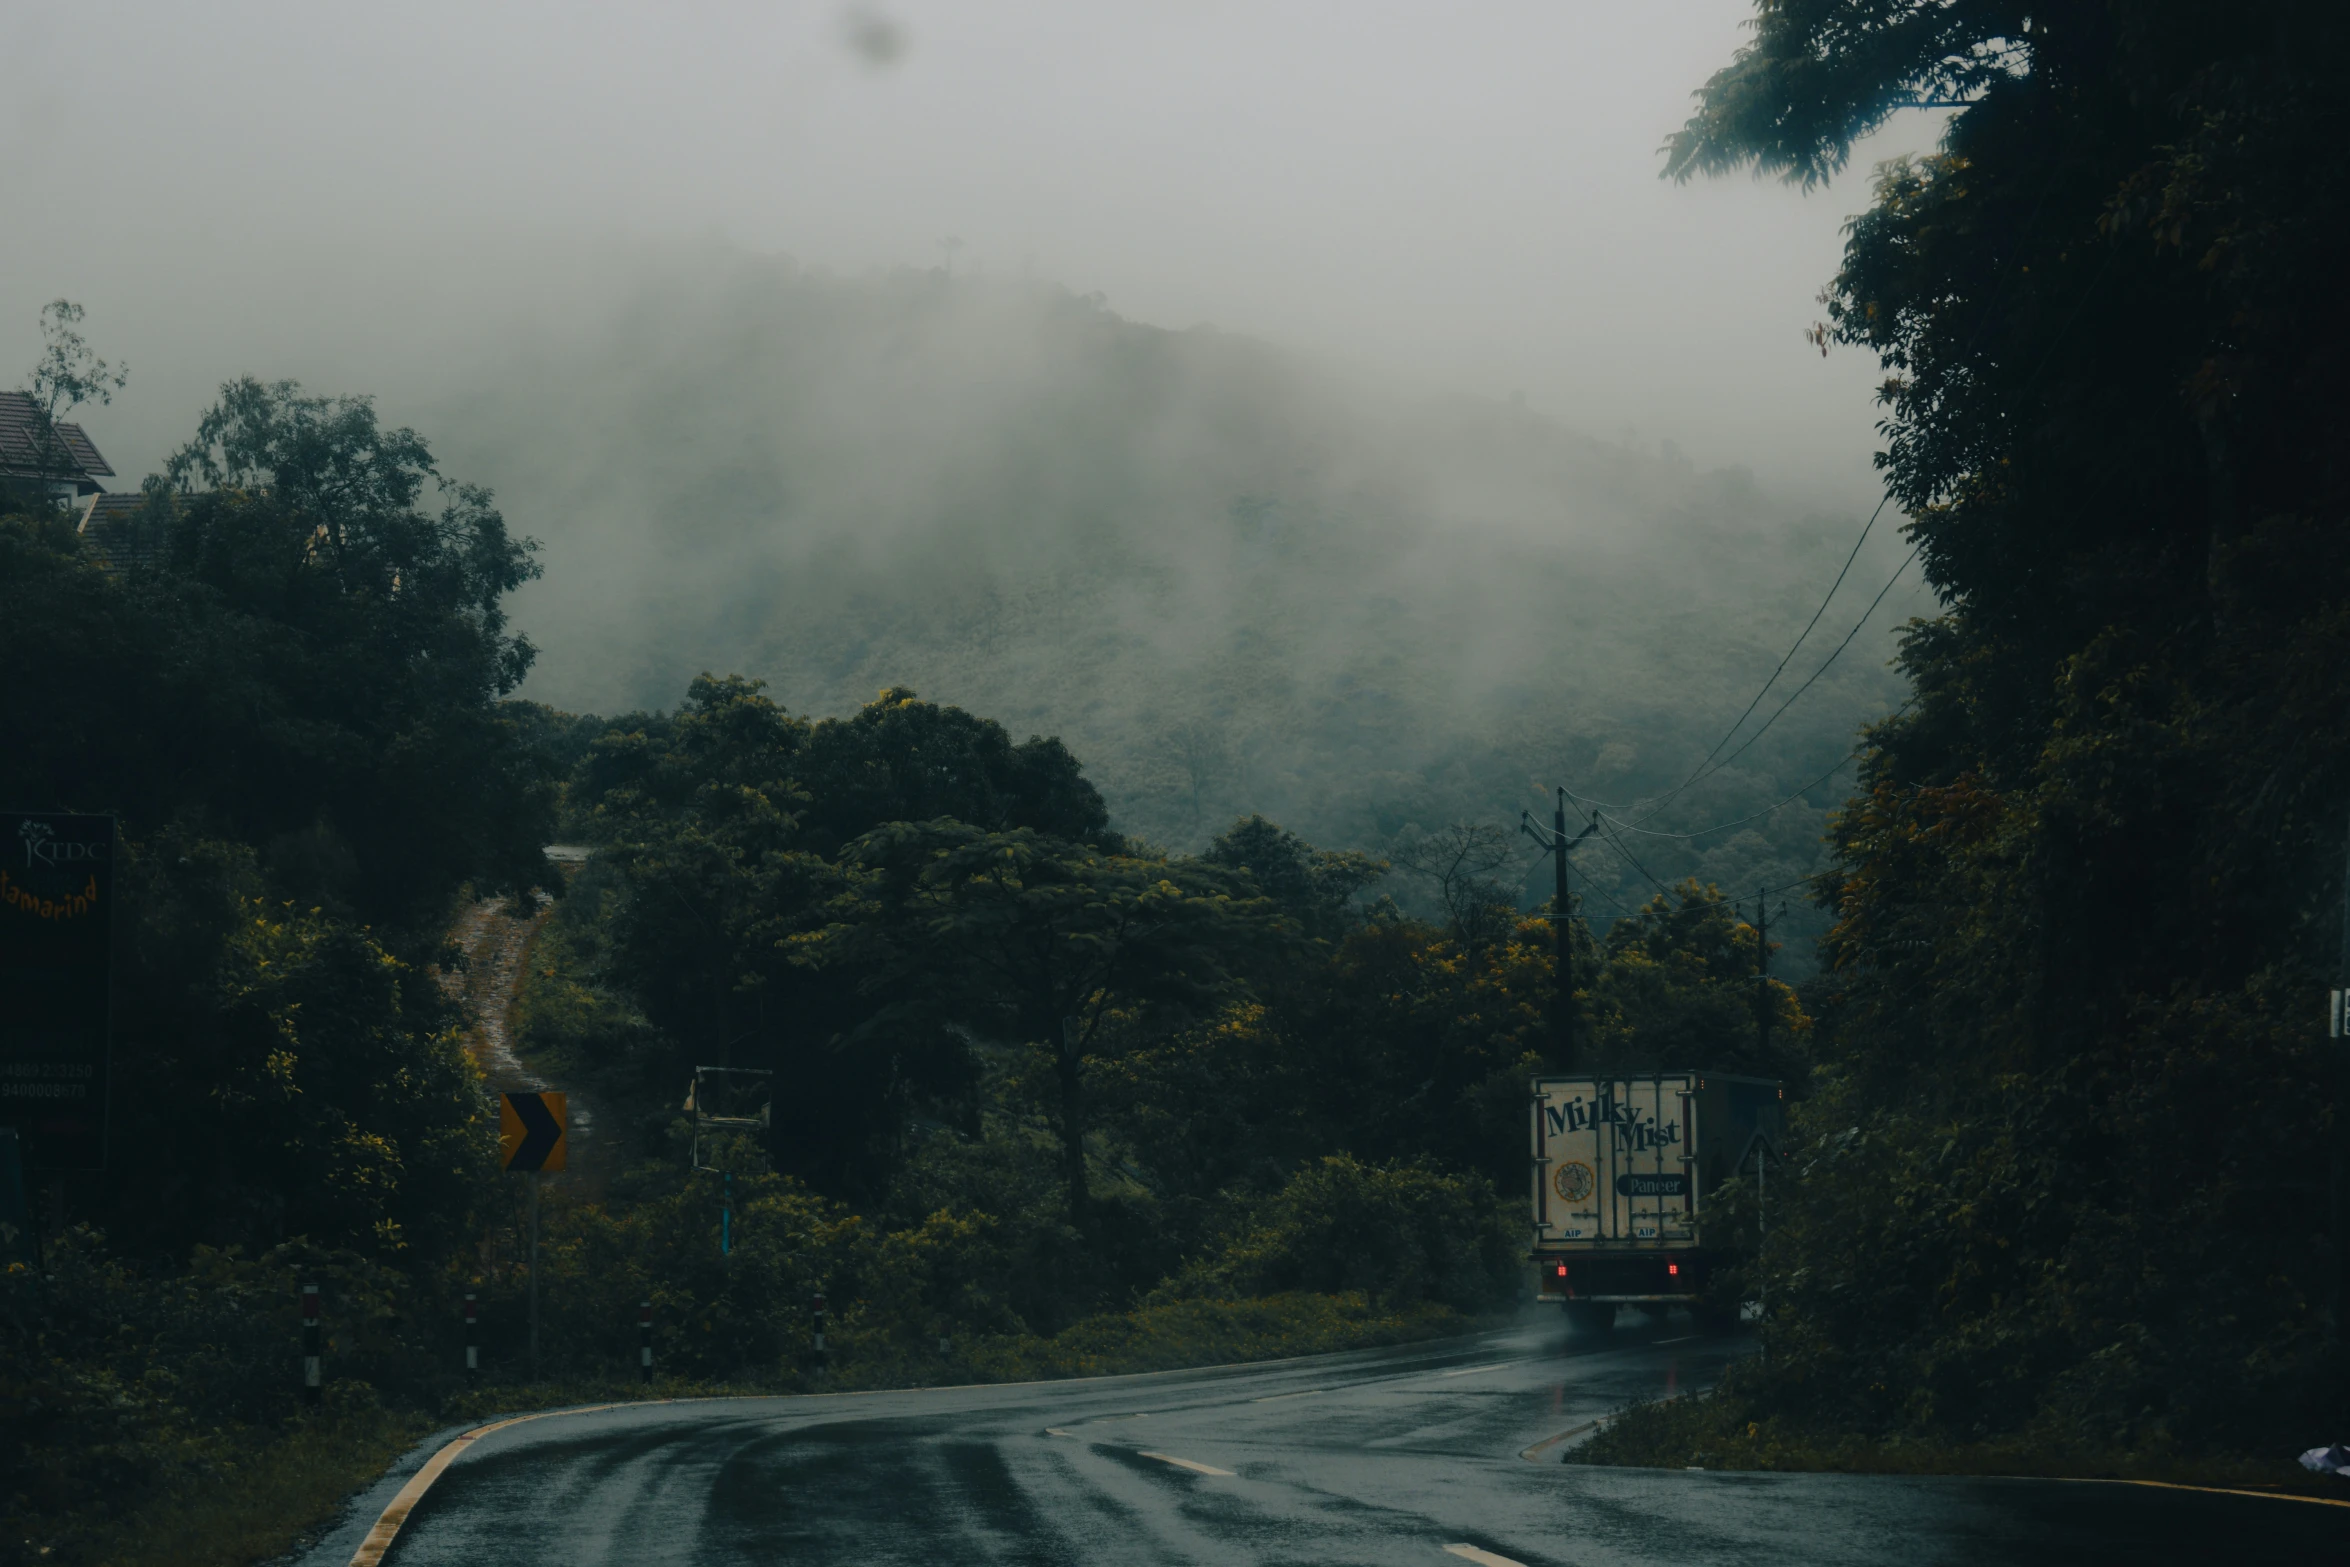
<point x="1402" y="1234"/>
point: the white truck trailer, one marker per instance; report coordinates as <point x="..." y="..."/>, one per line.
<point x="1623" y="1168"/>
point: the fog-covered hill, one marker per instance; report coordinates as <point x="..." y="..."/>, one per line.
<point x="1231" y="580"/>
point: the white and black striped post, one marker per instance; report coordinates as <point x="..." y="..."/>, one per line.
<point x="472" y="1342"/>
<point x="644" y="1338"/>
<point x="311" y="1390"/>
<point x="816" y="1320"/>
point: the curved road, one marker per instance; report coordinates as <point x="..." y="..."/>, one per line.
<point x="1416" y="1456"/>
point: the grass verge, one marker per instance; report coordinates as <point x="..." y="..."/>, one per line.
<point x="264" y="1495"/>
<point x="1723" y="1432"/>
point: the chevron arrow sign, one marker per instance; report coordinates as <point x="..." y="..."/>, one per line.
<point x="530" y="1131"/>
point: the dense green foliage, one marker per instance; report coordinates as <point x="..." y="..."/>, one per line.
<point x="294" y="713"/>
<point x="2066" y="1172"/>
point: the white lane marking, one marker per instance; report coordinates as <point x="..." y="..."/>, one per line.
<point x="1470" y="1371"/>
<point x="1487" y="1558"/>
<point x="1205" y="1469"/>
<point x="1057" y="1431"/>
<point x="1683" y="1339"/>
<point x="1275" y="1398"/>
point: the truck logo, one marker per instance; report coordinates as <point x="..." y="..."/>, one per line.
<point x="1573" y="1180"/>
<point x="1631" y="1131"/>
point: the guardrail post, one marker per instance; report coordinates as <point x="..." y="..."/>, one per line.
<point x="312" y="1391"/>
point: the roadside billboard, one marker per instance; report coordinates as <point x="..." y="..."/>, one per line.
<point x="56" y="969"/>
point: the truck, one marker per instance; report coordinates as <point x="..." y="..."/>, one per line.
<point x="1624" y="1165"/>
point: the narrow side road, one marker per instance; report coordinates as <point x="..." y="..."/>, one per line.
<point x="496" y="937"/>
<point x="1409" y="1455"/>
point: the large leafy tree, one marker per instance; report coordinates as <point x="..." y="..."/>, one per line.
<point x="1035" y="941"/>
<point x="2091" y="888"/>
<point x="731" y="826"/>
<point x="292" y="705"/>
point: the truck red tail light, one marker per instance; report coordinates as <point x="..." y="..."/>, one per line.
<point x="1562" y="1270"/>
<point x="1673" y="1269"/>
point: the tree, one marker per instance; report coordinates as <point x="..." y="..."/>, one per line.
<point x="304" y="745"/>
<point x="2092" y="877"/>
<point x="1460" y="860"/>
<point x="65" y="377"/>
<point x="1032" y="940"/>
<point x="901" y="759"/>
<point x="1314" y="888"/>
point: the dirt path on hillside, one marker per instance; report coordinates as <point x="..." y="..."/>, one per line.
<point x="496" y="937"/>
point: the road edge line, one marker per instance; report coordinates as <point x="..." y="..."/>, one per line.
<point x="1550" y="1442"/>
<point x="395" y="1514"/>
<point x="2174" y="1485"/>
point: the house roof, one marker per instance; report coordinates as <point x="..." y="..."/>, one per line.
<point x="120" y="533"/>
<point x="20" y="444"/>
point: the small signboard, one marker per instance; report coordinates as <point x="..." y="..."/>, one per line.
<point x="56" y="971"/>
<point x="530" y="1131"/>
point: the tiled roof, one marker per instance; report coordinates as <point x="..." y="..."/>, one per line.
<point x="20" y="444"/>
<point x="121" y="534"/>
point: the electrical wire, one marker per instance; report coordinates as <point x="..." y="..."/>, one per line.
<point x="1793" y="648"/>
<point x="1848" y="758"/>
<point x="1607" y="836"/>
<point x="1806" y="686"/>
<point x="1739" y="821"/>
<point x="1841" y="572"/>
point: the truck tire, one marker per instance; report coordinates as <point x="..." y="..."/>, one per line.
<point x="1590" y="1319"/>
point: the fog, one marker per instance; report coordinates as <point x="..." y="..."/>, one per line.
<point x="1342" y="380"/>
<point x="1462" y="194"/>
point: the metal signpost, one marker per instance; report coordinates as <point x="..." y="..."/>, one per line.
<point x="531" y="1138"/>
<point x="56" y="952"/>
<point x="727" y="1099"/>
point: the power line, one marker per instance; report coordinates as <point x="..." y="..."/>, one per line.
<point x="1806" y="686"/>
<point x="1849" y="757"/>
<point x="1727" y="735"/>
<point x="1607" y="835"/>
<point x="1739" y="821"/>
<point x="1841" y="573"/>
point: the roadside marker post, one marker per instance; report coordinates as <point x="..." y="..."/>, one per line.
<point x="644" y="1338"/>
<point x="533" y="1136"/>
<point x="817" y="1319"/>
<point x="534" y="1275"/>
<point x="472" y="1342"/>
<point x="312" y="1392"/>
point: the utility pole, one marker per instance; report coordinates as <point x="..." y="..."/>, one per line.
<point x="1557" y="843"/>
<point x="534" y="1275"/>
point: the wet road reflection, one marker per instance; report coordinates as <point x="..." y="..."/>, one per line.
<point x="1409" y="1455"/>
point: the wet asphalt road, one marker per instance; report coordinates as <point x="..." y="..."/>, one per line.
<point x="1386" y="1456"/>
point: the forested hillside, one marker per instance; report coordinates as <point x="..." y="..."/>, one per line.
<point x="1227" y="577"/>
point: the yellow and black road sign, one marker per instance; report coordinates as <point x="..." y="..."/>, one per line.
<point x="530" y="1131"/>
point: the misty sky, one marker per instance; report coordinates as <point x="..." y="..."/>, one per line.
<point x="1460" y="196"/>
